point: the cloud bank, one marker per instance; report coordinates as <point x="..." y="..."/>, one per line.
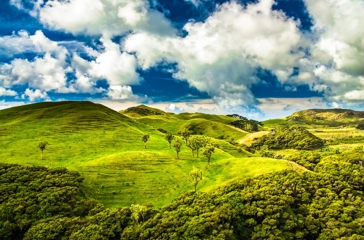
<point x="220" y="56"/>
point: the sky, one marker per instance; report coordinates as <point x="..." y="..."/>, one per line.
<point x="258" y="58"/>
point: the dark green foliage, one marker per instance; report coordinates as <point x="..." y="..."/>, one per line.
<point x="289" y="137"/>
<point x="186" y="133"/>
<point x="360" y="126"/>
<point x="286" y="205"/>
<point x="307" y="159"/>
<point x="196" y="142"/>
<point x="145" y="139"/>
<point x="29" y="194"/>
<point x="37" y="203"/>
<point x="246" y="125"/>
<point x="209" y="149"/>
<point x="169" y="138"/>
<point x="42" y="146"/>
<point x="177" y="146"/>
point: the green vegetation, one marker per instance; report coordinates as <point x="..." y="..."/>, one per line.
<point x="195" y="177"/>
<point x="289" y="137"/>
<point x="324" y="204"/>
<point x="42" y="146"/>
<point x="296" y="183"/>
<point x="327" y="117"/>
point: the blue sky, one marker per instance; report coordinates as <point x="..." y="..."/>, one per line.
<point x="261" y="58"/>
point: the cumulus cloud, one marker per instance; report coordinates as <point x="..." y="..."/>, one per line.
<point x="338" y="54"/>
<point x="50" y="69"/>
<point x="15" y="44"/>
<point x="120" y="93"/>
<point x="220" y="56"/>
<point x="7" y="92"/>
<point x="34" y="94"/>
<point x="103" y="17"/>
<point x="115" y="66"/>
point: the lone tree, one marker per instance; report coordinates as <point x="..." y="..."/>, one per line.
<point x="209" y="149"/>
<point x="169" y="138"/>
<point x="145" y="140"/>
<point x="177" y="145"/>
<point x="195" y="177"/>
<point x="186" y="133"/>
<point x="42" y="146"/>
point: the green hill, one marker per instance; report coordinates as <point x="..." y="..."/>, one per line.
<point x="106" y="148"/>
<point x="330" y="117"/>
<point x="142" y="110"/>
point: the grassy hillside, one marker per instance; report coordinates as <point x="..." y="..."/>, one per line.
<point x="106" y="148"/>
<point x="330" y="117"/>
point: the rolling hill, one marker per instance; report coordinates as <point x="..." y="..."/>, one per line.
<point x="105" y="147"/>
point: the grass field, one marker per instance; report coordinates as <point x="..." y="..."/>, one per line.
<point x="106" y="148"/>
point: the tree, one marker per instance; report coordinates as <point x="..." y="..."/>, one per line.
<point x="177" y="146"/>
<point x="169" y="138"/>
<point x="195" y="177"/>
<point x="186" y="133"/>
<point x="145" y="140"/>
<point x="209" y="149"/>
<point x="42" y="146"/>
<point x="138" y="212"/>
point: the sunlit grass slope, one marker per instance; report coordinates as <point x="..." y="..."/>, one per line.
<point x="106" y="148"/>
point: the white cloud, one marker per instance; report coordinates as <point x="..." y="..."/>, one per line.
<point x="355" y="95"/>
<point x="46" y="73"/>
<point x="120" y="93"/>
<point x="34" y="94"/>
<point x="8" y="104"/>
<point x="7" y="92"/>
<point x="105" y="17"/>
<point x="118" y="68"/>
<point x="32" y="7"/>
<point x="220" y="55"/>
<point x="338" y="54"/>
<point x="15" y="44"/>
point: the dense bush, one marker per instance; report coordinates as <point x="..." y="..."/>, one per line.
<point x="324" y="204"/>
<point x="289" y="137"/>
<point x="29" y="194"/>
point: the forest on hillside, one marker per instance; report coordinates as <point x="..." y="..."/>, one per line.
<point x="326" y="203"/>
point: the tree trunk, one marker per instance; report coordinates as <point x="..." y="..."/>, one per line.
<point x="41" y="154"/>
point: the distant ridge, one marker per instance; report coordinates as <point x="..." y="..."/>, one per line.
<point x="336" y="116"/>
<point x="143" y="110"/>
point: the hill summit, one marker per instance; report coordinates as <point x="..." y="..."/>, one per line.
<point x="332" y="117"/>
<point x="143" y="110"/>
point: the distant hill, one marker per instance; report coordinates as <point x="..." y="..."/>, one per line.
<point x="330" y="117"/>
<point x="142" y="110"/>
<point x="70" y="114"/>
